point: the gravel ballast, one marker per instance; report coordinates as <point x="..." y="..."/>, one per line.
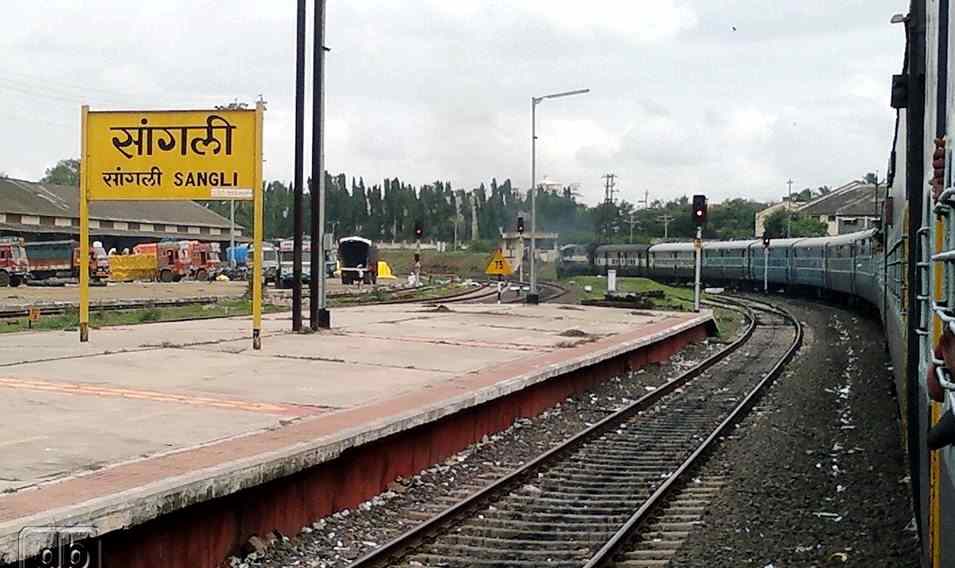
<point x="337" y="540"/>
<point x="817" y="475"/>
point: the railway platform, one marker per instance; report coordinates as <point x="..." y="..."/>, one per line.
<point x="173" y="443"/>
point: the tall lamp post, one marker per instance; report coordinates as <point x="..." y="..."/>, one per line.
<point x="533" y="297"/>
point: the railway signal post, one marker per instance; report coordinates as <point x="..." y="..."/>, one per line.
<point x="520" y="265"/>
<point x="699" y="217"/>
<point x="765" y="263"/>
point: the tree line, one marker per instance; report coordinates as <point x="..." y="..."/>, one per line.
<point x="389" y="210"/>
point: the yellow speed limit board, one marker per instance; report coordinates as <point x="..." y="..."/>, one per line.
<point x="499" y="266"/>
<point x="171" y="155"/>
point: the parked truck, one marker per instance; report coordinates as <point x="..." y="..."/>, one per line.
<point x="286" y="254"/>
<point x="176" y="260"/>
<point x="242" y="255"/>
<point x="359" y="260"/>
<point x="61" y="259"/>
<point x="14" y="266"/>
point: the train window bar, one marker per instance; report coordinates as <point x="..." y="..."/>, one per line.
<point x="943" y="375"/>
<point x="945" y="201"/>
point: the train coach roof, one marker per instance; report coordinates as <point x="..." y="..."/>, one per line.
<point x="622" y="248"/>
<point x="355" y="240"/>
<point x="812" y="242"/>
<point x="850" y="238"/>
<point x="729" y="245"/>
<point x="784" y="243"/>
<point x="673" y="247"/>
<point x="837" y="240"/>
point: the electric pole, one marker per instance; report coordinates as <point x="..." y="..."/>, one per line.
<point x="609" y="190"/>
<point x="632" y="220"/>
<point x="609" y="187"/>
<point x="789" y="210"/>
<point x="666" y="224"/>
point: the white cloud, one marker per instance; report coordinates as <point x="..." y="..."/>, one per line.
<point x="440" y="89"/>
<point x="637" y="20"/>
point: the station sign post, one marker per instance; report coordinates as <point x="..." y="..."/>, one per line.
<point x="172" y="156"/>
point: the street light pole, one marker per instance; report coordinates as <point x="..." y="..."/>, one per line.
<point x="532" y="296"/>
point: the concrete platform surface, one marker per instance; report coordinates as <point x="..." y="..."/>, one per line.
<point x="109" y="433"/>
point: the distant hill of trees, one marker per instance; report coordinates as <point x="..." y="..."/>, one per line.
<point x="388" y="211"/>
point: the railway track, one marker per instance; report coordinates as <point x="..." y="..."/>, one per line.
<point x="485" y="292"/>
<point x="606" y="495"/>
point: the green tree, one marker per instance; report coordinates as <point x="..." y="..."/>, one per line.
<point x="871" y="178"/>
<point x="65" y="172"/>
<point x="732" y="219"/>
<point x="802" y="226"/>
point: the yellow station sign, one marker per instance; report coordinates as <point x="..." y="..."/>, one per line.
<point x="171" y="155"/>
<point x="499" y="266"/>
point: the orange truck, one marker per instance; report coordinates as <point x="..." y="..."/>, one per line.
<point x="61" y="259"/>
<point x="14" y="266"/>
<point x="176" y="260"/>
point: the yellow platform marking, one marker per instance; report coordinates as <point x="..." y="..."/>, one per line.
<point x="152" y="396"/>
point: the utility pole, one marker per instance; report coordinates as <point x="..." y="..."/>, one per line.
<point x="666" y="224"/>
<point x="789" y="210"/>
<point x="319" y="316"/>
<point x="609" y="187"/>
<point x="609" y="190"/>
<point x="298" y="213"/>
<point x="632" y="220"/>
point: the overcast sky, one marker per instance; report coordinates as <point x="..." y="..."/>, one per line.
<point x="440" y="89"/>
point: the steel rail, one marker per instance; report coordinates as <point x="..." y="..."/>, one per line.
<point x="621" y="538"/>
<point x="408" y="541"/>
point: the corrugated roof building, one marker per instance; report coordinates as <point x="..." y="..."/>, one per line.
<point x="846" y="209"/>
<point x="38" y="211"/>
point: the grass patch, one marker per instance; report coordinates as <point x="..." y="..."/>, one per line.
<point x="465" y="264"/>
<point x="675" y="298"/>
<point x="383" y="294"/>
<point x="70" y="320"/>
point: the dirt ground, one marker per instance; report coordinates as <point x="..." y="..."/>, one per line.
<point x="30" y="295"/>
<point x="817" y="476"/>
<point x="26" y="296"/>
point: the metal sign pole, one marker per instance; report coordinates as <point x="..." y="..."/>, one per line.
<point x="84" y="235"/>
<point x="257" y="232"/>
<point x="699" y="266"/>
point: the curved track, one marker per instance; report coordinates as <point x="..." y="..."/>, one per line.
<point x="584" y="502"/>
